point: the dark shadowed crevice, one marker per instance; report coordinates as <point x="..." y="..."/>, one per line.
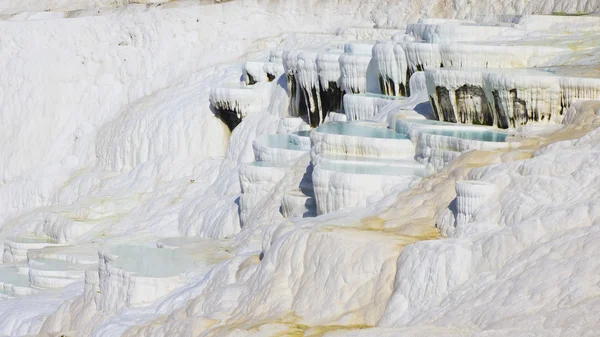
<point x="502" y="115"/>
<point x="520" y="112"/>
<point x="472" y="106"/>
<point x="228" y="116"/>
<point x="445" y="105"/>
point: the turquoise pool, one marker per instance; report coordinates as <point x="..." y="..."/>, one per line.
<point x="451" y="129"/>
<point x="304" y="133"/>
<point x="377" y="169"/>
<point x="151" y="262"/>
<point x="279" y="142"/>
<point x="484" y="136"/>
<point x="348" y="129"/>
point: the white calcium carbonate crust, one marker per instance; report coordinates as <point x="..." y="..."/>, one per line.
<point x="108" y="139"/>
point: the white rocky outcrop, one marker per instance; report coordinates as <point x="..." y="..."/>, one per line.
<point x="52" y="273"/>
<point x="307" y="79"/>
<point x="299" y="203"/>
<point x="328" y="65"/>
<point x="422" y="56"/>
<point x="257" y="180"/>
<point x="234" y="102"/>
<point x="508" y="98"/>
<point x="254" y="72"/>
<point x="519" y="98"/>
<point x="457" y="95"/>
<point x="358" y="69"/>
<point x="365" y="106"/>
<point x="289" y="59"/>
<point x="392" y="65"/>
<point x="457" y="32"/>
<point x="273" y="70"/>
<point x="561" y="24"/>
<point x="470" y="195"/>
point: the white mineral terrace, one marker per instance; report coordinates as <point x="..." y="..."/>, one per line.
<point x="359" y="48"/>
<point x="254" y="72"/>
<point x="298" y="203"/>
<point x="391" y="63"/>
<point x="13" y="283"/>
<point x="366" y="106"/>
<point x="15" y="248"/>
<point x="307" y="79"/>
<point x="328" y="64"/>
<point x="470" y="195"/>
<point x="256" y="181"/>
<point x="358" y="69"/>
<point x="509" y="97"/>
<point x="439" y="21"/>
<point x="422" y="56"/>
<point x="368" y="34"/>
<point x="561" y="24"/>
<point x="235" y="102"/>
<point x="343" y="185"/>
<point x="273" y="70"/>
<point x="138" y="274"/>
<point x="407" y="166"/>
<point x="352" y="139"/>
<point x="439" y="143"/>
<point x="456" y="32"/>
<point x="278" y="148"/>
<point x="300" y="168"/>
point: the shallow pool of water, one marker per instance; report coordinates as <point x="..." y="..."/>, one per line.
<point x="151" y="262"/>
<point x="279" y="142"/>
<point x="376" y="169"/>
<point x="349" y="129"/>
<point x="304" y="133"/>
<point x="484" y="136"/>
<point x="463" y="131"/>
<point x="9" y="275"/>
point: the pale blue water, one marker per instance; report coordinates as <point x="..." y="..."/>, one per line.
<point x="456" y="130"/>
<point x="304" y="133"/>
<point x="484" y="136"/>
<point x="356" y="168"/>
<point x="151" y="262"/>
<point x="348" y="129"/>
<point x="375" y="160"/>
<point x="280" y="142"/>
<point x="9" y="275"/>
<point x="53" y="264"/>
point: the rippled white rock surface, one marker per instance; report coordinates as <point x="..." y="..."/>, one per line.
<point x="129" y="209"/>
